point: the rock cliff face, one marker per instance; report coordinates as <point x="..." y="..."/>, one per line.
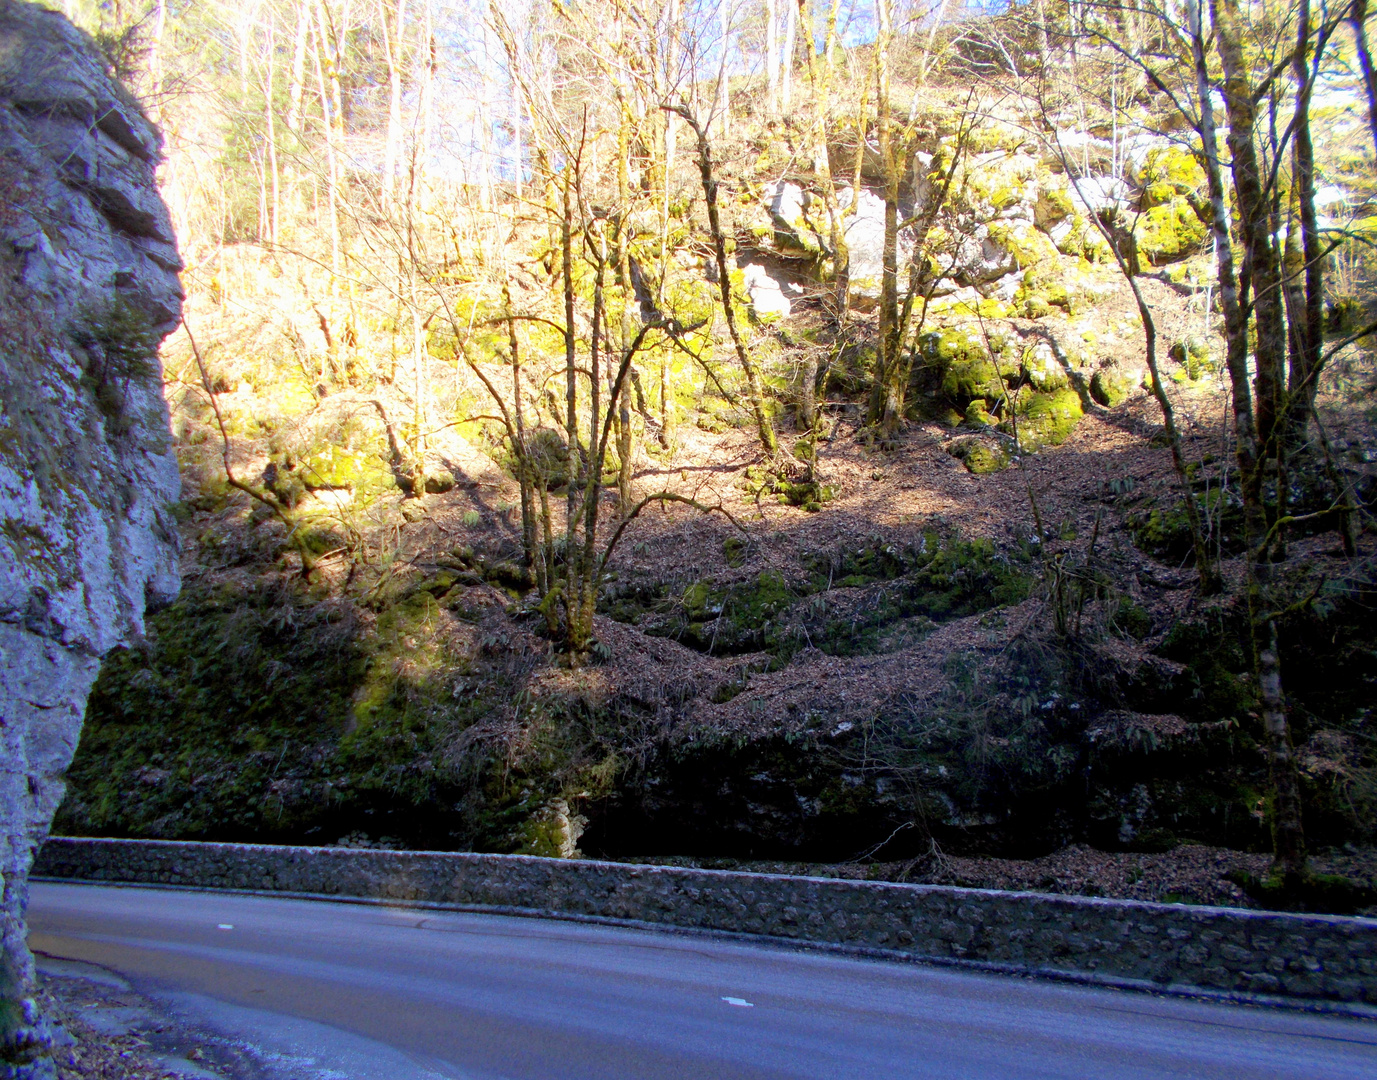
<point x="88" y="289"/>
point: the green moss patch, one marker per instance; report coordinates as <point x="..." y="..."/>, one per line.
<point x="1044" y="419"/>
<point x="981" y="455"/>
<point x="1170" y="231"/>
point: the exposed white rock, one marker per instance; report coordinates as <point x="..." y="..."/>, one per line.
<point x="980" y="258"/>
<point x="768" y="299"/>
<point x="1096" y="194"/>
<point x="795" y="219"/>
<point x="865" y="243"/>
<point x="88" y="288"/>
<point x="1005" y="288"/>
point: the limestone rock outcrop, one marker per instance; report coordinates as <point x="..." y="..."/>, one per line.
<point x="88" y="290"/>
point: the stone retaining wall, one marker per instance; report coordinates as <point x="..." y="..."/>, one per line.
<point x="1226" y="951"/>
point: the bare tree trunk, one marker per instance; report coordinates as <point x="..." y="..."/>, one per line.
<point x="566" y="238"/>
<point x="420" y="172"/>
<point x="526" y="477"/>
<point x="754" y="391"/>
<point x="155" y="60"/>
<point x="1260" y="270"/>
<point x="1307" y="319"/>
<point x="1288" y="837"/>
<point x="325" y="74"/>
<point x="831" y="42"/>
<point x="486" y="116"/>
<point x="807" y="392"/>
<point x="1251" y="442"/>
<point x="393" y="50"/>
<point x="771" y="58"/>
<point x="420" y="358"/>
<point x="270" y="125"/>
<point x="298" y="77"/>
<point x="787" y="83"/>
<point x="518" y="154"/>
<point x="937" y="18"/>
<point x="585" y="602"/>
<point x="820" y="84"/>
<point x="887" y="395"/>
<point x="625" y="446"/>
<point x="1357" y="19"/>
<point x="721" y="108"/>
<point x="1235" y="321"/>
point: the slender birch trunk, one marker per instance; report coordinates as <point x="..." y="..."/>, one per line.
<point x="324" y="75"/>
<point x="771" y="58"/>
<point x="393" y="50"/>
<point x="1357" y="19"/>
<point x="270" y="129"/>
<point x="787" y="59"/>
<point x="754" y="391"/>
<point x="1251" y="442"/>
<point x="722" y="105"/>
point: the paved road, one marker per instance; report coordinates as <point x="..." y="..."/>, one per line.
<point x="484" y="996"/>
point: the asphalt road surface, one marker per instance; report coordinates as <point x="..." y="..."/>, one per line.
<point x="378" y="993"/>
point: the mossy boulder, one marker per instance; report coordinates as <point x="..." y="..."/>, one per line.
<point x="1169" y="172"/>
<point x="975" y="366"/>
<point x="1195" y="355"/>
<point x="1054" y="204"/>
<point x="733" y="618"/>
<point x="981" y="454"/>
<point x="1169" y="231"/>
<point x="548" y="453"/>
<point x="1003" y="185"/>
<point x="978" y="413"/>
<point x="1164" y="531"/>
<point x="1042" y="290"/>
<point x="794" y="219"/>
<point x="1083" y="240"/>
<point x="788" y="485"/>
<point x="1024" y="242"/>
<point x="1112" y="385"/>
<point x="1042" y="370"/>
<point x="1043" y="419"/>
<point x="1069" y="286"/>
<point x="977" y="377"/>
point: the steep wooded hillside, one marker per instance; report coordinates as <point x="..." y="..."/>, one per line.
<point x="911" y="465"/>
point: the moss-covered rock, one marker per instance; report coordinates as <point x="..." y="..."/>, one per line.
<point x="1054" y="204"/>
<point x="1080" y="238"/>
<point x="1043" y="419"/>
<point x="1165" y="531"/>
<point x="1171" y="230"/>
<point x="1168" y="172"/>
<point x="1069" y="286"/>
<point x="978" y="413"/>
<point x="976" y="377"/>
<point x="1042" y="370"/>
<point x="980" y="454"/>
<point x="1113" y="384"/>
<point x="1196" y="356"/>
<point x="732" y="619"/>
<point x="788" y="485"/>
<point x="973" y="366"/>
<point x="1024" y="241"/>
